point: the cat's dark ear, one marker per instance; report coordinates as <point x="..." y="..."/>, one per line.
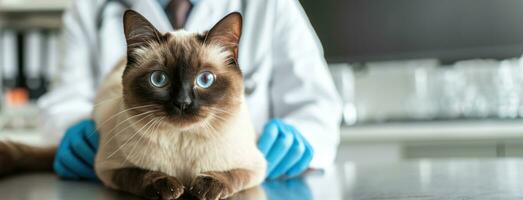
<point x="138" y="32"/>
<point x="227" y="33"/>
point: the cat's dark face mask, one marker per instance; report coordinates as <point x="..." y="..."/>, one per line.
<point x="181" y="78"/>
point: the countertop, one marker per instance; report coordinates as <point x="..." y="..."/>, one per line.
<point x="425" y="179"/>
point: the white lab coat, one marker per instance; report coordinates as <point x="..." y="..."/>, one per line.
<point x="282" y="60"/>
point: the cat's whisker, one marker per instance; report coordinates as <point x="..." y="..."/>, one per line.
<point x="149" y="130"/>
<point x="113" y="116"/>
<point x="155" y="130"/>
<point x="213" y="127"/>
<point x="122" y="122"/>
<point x="123" y="111"/>
<point x="130" y="138"/>
<point x="217" y="109"/>
<point x="129" y="118"/>
<point x="217" y="117"/>
<point x="209" y="127"/>
<point x="131" y="152"/>
<point x="204" y="126"/>
<point x="221" y="111"/>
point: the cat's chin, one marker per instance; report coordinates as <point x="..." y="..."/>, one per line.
<point x="196" y="124"/>
<point x="184" y="123"/>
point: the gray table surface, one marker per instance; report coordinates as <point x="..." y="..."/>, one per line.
<point x="429" y="179"/>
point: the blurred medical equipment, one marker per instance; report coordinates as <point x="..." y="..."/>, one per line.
<point x="426" y="90"/>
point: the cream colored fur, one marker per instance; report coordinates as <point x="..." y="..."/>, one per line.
<point x="182" y="154"/>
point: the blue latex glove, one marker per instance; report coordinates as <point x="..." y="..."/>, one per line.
<point x="286" y="150"/>
<point x="75" y="156"/>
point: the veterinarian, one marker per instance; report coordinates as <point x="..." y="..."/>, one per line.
<point x="290" y="95"/>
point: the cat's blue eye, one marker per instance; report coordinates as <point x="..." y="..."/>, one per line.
<point x="158" y="79"/>
<point x="205" y="79"/>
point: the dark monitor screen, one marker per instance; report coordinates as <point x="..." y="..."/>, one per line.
<point x="450" y="30"/>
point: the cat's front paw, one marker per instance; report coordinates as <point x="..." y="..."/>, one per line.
<point x="207" y="187"/>
<point x="164" y="188"/>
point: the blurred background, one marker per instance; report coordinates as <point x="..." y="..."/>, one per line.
<point x="420" y="79"/>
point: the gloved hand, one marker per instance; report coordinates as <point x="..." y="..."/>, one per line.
<point x="75" y="156"/>
<point x="286" y="150"/>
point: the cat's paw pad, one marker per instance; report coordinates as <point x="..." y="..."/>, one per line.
<point x="210" y="188"/>
<point x="165" y="188"/>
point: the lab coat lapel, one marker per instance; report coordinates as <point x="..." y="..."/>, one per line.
<point x="112" y="40"/>
<point x="207" y="12"/>
<point x="151" y="10"/>
<point x="203" y="16"/>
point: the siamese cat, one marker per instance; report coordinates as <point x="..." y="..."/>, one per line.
<point x="171" y="116"/>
